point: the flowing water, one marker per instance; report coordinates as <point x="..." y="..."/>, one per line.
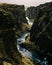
<point x="29" y="21"/>
<point x="30" y="54"/>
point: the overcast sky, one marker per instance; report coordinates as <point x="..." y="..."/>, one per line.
<point x="25" y="2"/>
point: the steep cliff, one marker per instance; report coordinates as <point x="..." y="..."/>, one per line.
<point x="17" y="12"/>
<point x="32" y="12"/>
<point x="11" y="19"/>
<point x="41" y="31"/>
<point x="8" y="49"/>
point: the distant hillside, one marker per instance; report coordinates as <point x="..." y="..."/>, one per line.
<point x="32" y="12"/>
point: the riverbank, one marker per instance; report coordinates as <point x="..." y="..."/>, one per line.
<point x="24" y="61"/>
<point x="27" y="61"/>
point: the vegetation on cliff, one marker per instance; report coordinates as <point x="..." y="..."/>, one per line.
<point x="32" y="12"/>
<point x="8" y="49"/>
<point x="41" y="31"/>
<point x="17" y="12"/>
<point x="12" y="22"/>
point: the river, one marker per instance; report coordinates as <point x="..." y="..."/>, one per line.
<point x="30" y="54"/>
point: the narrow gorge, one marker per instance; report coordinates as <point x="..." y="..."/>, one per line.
<point x="25" y="35"/>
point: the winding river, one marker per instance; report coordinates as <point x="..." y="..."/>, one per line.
<point x="30" y="54"/>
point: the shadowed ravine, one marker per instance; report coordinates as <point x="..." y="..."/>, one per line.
<point x="30" y="54"/>
<point x="25" y="35"/>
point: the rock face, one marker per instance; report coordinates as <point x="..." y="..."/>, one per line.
<point x="32" y="12"/>
<point x="41" y="31"/>
<point x="8" y="46"/>
<point x="11" y="17"/>
<point x="16" y="11"/>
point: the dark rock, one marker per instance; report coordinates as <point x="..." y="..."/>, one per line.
<point x="8" y="46"/>
<point x="41" y="31"/>
<point x="32" y="11"/>
<point x="17" y="12"/>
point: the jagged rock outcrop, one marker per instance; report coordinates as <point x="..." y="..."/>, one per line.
<point x="41" y="32"/>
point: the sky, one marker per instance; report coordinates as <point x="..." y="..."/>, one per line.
<point x="25" y="2"/>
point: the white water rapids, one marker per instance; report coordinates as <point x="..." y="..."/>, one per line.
<point x="29" y="21"/>
<point x="32" y="55"/>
